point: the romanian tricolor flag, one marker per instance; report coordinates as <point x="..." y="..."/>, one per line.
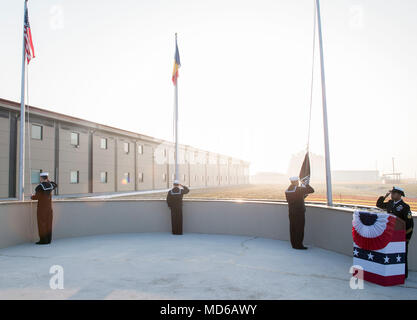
<point x="177" y="63"/>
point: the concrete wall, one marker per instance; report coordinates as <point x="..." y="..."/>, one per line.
<point x="17" y="223"/>
<point x="328" y="228"/>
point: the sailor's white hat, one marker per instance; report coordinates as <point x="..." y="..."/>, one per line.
<point x="294" y="178"/>
<point x="44" y="174"/>
<point x="399" y="190"/>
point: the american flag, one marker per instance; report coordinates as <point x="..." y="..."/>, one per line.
<point x="305" y="171"/>
<point x="29" y="50"/>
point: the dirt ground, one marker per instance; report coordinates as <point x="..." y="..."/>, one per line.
<point x="360" y="194"/>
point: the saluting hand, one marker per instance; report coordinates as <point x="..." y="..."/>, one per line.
<point x="387" y="194"/>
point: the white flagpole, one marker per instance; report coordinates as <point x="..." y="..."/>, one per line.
<point x="21" y="194"/>
<point x="325" y="125"/>
<point x="176" y="120"/>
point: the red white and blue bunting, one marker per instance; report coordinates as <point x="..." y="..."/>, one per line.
<point x="379" y="247"/>
<point x="372" y="230"/>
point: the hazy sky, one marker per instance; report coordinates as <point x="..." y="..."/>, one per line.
<point x="245" y="76"/>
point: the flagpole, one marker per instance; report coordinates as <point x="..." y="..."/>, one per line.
<point x="21" y="193"/>
<point x="176" y="121"/>
<point x="325" y="125"/>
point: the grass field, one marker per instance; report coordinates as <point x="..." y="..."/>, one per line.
<point x="354" y="194"/>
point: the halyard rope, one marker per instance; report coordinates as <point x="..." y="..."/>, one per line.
<point x="312" y="75"/>
<point x="29" y="135"/>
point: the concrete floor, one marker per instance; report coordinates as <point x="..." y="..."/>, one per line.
<point x="192" y="266"/>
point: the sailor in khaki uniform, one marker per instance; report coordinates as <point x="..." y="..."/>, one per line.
<point x="44" y="211"/>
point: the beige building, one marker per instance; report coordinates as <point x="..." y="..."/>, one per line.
<point x="5" y="123"/>
<point x="87" y="157"/>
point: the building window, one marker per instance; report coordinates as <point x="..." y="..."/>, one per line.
<point x="126" y="147"/>
<point x="140" y="177"/>
<point x="164" y="177"/>
<point x="126" y="177"/>
<point x="202" y="178"/>
<point x="75" y="139"/>
<point x="35" y="175"/>
<point x="140" y="149"/>
<point x="195" y="178"/>
<point x="165" y="152"/>
<point x="183" y="177"/>
<point x="103" y="143"/>
<point x="103" y="177"/>
<point x="74" y="177"/>
<point x="37" y="132"/>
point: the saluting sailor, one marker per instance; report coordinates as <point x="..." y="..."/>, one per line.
<point x="399" y="208"/>
<point x="295" y="195"/>
<point x="44" y="211"/>
<point x="174" y="201"/>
